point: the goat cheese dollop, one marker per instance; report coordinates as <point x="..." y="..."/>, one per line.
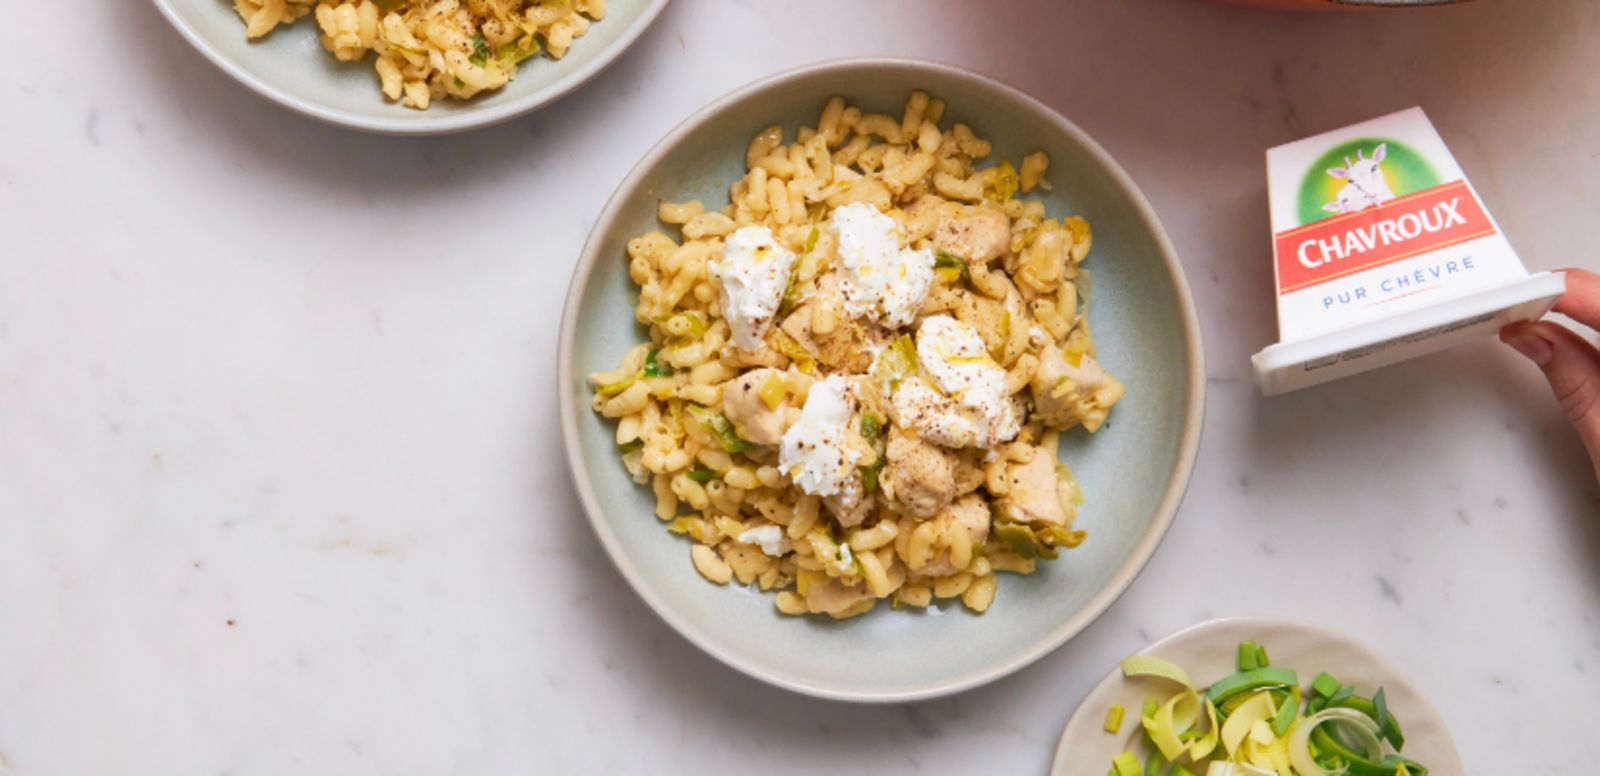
<point x="967" y="404"/>
<point x="878" y="278"/>
<point x="815" y="451"/>
<point x="754" y="272"/>
<point x="770" y="538"/>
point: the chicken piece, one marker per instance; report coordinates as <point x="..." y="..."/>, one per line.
<point x="833" y="596"/>
<point x="976" y="235"/>
<point x="764" y="356"/>
<point x="843" y="350"/>
<point x="1044" y="264"/>
<point x="1064" y="395"/>
<point x="852" y="503"/>
<point x="969" y="470"/>
<point x="752" y="418"/>
<point x="919" y="475"/>
<point x="970" y="513"/>
<point x="1034" y="494"/>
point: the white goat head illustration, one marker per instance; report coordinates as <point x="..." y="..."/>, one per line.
<point x="1364" y="185"/>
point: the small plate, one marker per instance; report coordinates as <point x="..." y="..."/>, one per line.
<point x="1209" y="652"/>
<point x="290" y="67"/>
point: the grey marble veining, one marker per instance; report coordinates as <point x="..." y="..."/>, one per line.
<point x="280" y="479"/>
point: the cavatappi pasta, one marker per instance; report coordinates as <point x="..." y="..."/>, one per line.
<point x="433" y="49"/>
<point x="857" y="371"/>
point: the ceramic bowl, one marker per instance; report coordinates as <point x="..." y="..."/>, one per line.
<point x="1209" y="652"/>
<point x="290" y="67"/>
<point x="1134" y="470"/>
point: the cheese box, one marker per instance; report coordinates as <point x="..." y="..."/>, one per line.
<point x="1384" y="252"/>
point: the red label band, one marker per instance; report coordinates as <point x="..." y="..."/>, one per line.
<point x="1396" y="230"/>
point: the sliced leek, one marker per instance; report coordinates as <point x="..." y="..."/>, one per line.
<point x="1355" y="722"/>
<point x="1177" y="715"/>
<point x="1127" y="764"/>
<point x="1207" y="744"/>
<point x="1260" y="722"/>
<point x="1114" y="718"/>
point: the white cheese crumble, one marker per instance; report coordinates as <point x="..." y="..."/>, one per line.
<point x="770" y="538"/>
<point x="971" y="407"/>
<point x="846" y="561"/>
<point x="815" y="451"/>
<point x="878" y="278"/>
<point x="754" y="272"/>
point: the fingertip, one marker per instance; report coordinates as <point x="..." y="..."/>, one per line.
<point x="1513" y="330"/>
<point x="1581" y="302"/>
<point x="1526" y="340"/>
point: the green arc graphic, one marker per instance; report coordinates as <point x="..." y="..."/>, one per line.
<point x="1406" y="171"/>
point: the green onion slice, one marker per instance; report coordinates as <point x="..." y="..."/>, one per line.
<point x="480" y="51"/>
<point x="720" y="427"/>
<point x="612" y="389"/>
<point x="870" y="474"/>
<point x="1325" y="685"/>
<point x="1126" y="764"/>
<point x="1354" y="722"/>
<point x="896" y="363"/>
<point x="1247" y="656"/>
<point x="653" y="367"/>
<point x="1114" y="718"/>
<point x="1287" y="711"/>
<point x="1248" y="681"/>
<point x="1151" y="706"/>
<point x="950" y="267"/>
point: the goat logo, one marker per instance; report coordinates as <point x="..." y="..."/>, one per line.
<point x="1361" y="174"/>
<point x="1365" y="185"/>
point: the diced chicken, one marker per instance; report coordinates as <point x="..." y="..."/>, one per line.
<point x="1045" y="262"/>
<point x="833" y="596"/>
<point x="920" y="475"/>
<point x="976" y="235"/>
<point x="1064" y="394"/>
<point x="850" y="505"/>
<point x="971" y="513"/>
<point x="843" y="350"/>
<point x="1033" y="494"/>
<point x="752" y="418"/>
<point x="766" y="355"/>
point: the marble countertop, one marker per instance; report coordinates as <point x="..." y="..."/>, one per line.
<point x="281" y="485"/>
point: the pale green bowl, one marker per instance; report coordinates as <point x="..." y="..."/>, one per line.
<point x="1134" y="470"/>
<point x="290" y="67"/>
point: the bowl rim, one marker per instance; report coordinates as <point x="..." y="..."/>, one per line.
<point x="1177" y="484"/>
<point x="1060" y="760"/>
<point x="442" y="125"/>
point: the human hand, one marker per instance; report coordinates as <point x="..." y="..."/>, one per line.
<point x="1570" y="363"/>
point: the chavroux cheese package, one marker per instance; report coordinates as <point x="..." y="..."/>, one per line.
<point x="1384" y="252"/>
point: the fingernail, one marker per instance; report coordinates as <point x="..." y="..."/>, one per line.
<point x="1535" y="348"/>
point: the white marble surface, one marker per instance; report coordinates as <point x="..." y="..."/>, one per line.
<point x="280" y="477"/>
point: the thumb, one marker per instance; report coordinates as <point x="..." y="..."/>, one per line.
<point x="1573" y="368"/>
